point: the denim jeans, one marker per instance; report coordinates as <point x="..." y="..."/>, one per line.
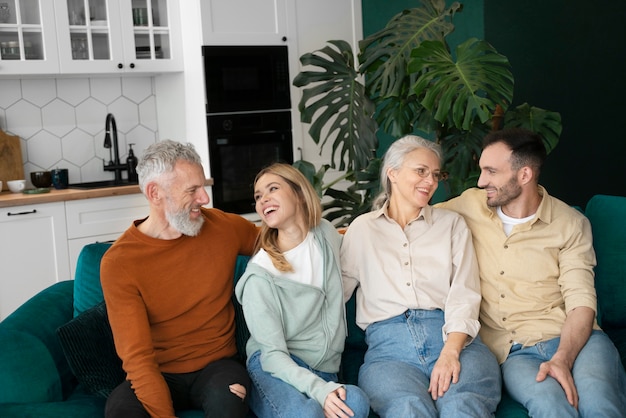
<point x="271" y="397"/>
<point x="598" y="374"/>
<point x="401" y="354"/>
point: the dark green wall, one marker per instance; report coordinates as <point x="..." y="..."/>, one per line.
<point x="567" y="56"/>
<point x="376" y="14"/>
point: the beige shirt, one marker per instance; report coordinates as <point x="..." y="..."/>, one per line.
<point x="531" y="279"/>
<point x="429" y="265"/>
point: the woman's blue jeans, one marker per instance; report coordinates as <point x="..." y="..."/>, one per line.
<point x="271" y="397"/>
<point x="401" y="354"/>
<point x="598" y="375"/>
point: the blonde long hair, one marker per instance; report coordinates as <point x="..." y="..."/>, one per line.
<point x="309" y="203"/>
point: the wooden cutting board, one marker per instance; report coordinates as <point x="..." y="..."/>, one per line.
<point x="11" y="166"/>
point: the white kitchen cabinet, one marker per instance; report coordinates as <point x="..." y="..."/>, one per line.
<point x="27" y="37"/>
<point x="245" y="22"/>
<point x="33" y="252"/>
<point x="118" y="36"/>
<point x="100" y="219"/>
<point x="90" y="37"/>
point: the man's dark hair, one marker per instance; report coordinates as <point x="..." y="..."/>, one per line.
<point x="527" y="147"/>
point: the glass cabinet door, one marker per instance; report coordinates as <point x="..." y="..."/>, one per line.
<point x="89" y="29"/>
<point x="89" y="36"/>
<point x="108" y="36"/>
<point x="27" y="41"/>
<point x="151" y="29"/>
<point x="21" y="30"/>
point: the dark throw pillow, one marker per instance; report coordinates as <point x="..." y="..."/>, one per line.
<point x="87" y="343"/>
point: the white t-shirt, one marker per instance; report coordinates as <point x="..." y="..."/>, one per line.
<point x="305" y="258"/>
<point x="508" y="222"/>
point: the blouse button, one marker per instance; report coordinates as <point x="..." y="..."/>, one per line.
<point x="408" y="283"/>
<point x="502" y="296"/>
<point x="503" y="319"/>
<point x="506" y="246"/>
<point x="501" y="273"/>
<point x="405" y="245"/>
<point x="406" y="263"/>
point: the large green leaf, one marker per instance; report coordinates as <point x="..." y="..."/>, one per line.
<point x="337" y="106"/>
<point x="316" y="178"/>
<point x="460" y="92"/>
<point x="398" y="116"/>
<point x="346" y="205"/>
<point x="385" y="53"/>
<point x="544" y="122"/>
<point x="461" y="150"/>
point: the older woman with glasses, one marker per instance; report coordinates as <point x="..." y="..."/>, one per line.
<point x="418" y="296"/>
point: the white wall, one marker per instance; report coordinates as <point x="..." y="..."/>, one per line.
<point x="61" y="121"/>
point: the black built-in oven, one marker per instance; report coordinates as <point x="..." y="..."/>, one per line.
<point x="246" y="78"/>
<point x="248" y="118"/>
<point x="240" y="145"/>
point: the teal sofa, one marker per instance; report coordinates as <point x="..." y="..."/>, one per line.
<point x="37" y="380"/>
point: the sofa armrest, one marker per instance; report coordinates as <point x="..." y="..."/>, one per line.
<point x="609" y="241"/>
<point x="33" y="365"/>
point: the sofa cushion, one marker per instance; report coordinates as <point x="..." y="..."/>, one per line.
<point x="40" y="316"/>
<point x="34" y="378"/>
<point x="87" y="288"/>
<point x="354" y="351"/>
<point x="606" y="214"/>
<point x="87" y="342"/>
<point x="242" y="334"/>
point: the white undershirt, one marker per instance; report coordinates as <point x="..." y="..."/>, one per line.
<point x="508" y="223"/>
<point x="305" y="258"/>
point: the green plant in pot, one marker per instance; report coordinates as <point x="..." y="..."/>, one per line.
<point x="414" y="83"/>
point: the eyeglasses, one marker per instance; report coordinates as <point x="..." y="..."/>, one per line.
<point x="424" y="172"/>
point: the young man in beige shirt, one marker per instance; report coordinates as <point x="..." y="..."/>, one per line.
<point x="536" y="261"/>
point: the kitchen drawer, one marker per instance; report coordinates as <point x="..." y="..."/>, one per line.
<point x="102" y="216"/>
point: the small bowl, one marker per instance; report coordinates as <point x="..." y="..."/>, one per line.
<point x="41" y="179"/>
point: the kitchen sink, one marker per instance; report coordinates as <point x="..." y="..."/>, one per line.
<point x="100" y="184"/>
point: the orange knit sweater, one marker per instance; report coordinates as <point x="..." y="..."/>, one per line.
<point x="169" y="302"/>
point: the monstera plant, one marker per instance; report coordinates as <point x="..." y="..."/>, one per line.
<point x="413" y="83"/>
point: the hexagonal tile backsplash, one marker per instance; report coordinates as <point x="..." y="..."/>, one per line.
<point x="61" y="121"/>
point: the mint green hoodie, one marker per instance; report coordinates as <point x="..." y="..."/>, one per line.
<point x="285" y="317"/>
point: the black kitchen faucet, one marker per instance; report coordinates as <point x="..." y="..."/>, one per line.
<point x="110" y="128"/>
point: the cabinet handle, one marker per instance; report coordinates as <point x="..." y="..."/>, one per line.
<point x="284" y="39"/>
<point x="22" y="213"/>
<point x="120" y="65"/>
<point x="132" y="65"/>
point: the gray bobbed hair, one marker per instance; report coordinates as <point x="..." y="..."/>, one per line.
<point x="393" y="159"/>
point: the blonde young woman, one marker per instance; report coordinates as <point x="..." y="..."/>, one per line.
<point x="292" y="300"/>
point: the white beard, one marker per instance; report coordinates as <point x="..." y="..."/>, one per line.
<point x="183" y="223"/>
